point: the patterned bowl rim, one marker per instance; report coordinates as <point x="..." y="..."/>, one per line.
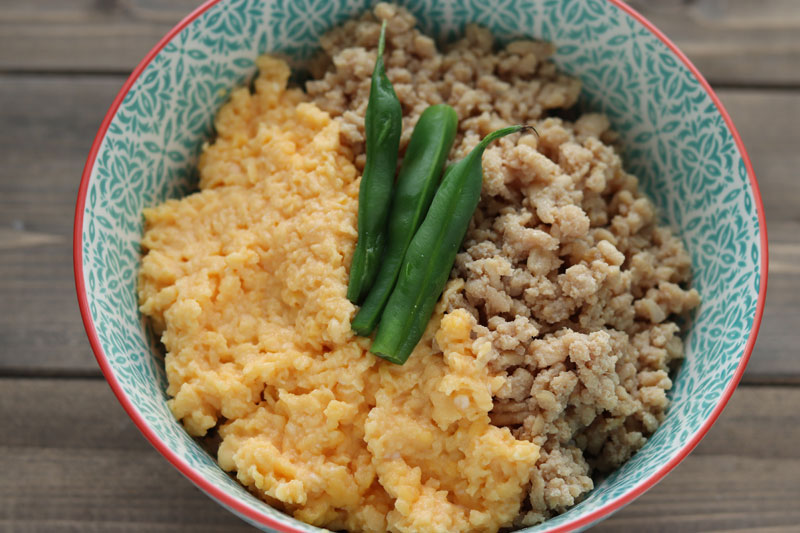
<point x="263" y="519"/>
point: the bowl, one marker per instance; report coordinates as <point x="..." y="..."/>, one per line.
<point x="678" y="140"/>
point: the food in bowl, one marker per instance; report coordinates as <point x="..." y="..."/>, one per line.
<point x="546" y="361"/>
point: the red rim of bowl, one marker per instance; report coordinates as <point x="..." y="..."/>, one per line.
<point x="263" y="519"/>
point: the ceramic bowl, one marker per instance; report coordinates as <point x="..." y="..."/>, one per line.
<point x="678" y="140"/>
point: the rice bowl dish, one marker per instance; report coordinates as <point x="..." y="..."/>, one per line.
<point x="547" y="359"/>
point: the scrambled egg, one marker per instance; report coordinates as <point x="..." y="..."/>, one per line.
<point x="247" y="279"/>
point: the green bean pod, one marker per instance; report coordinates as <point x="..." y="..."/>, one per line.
<point x="383" y="123"/>
<point x="431" y="254"/>
<point x="416" y="184"/>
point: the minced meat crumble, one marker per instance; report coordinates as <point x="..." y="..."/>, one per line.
<point x="570" y="278"/>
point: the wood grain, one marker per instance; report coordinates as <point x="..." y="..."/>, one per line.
<point x="731" y="41"/>
<point x="40" y="325"/>
<point x="84" y="35"/>
<point x="73" y="461"/>
<point x="739" y="42"/>
<point x="49" y="123"/>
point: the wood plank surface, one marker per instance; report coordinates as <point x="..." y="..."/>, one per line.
<point x="84" y="35"/>
<point x="39" y="181"/>
<point x="73" y="461"/>
<point x="54" y="121"/>
<point x="731" y="41"/>
<point x="739" y="42"/>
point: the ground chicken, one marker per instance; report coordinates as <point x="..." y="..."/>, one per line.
<point x="564" y="267"/>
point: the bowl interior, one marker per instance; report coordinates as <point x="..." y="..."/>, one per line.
<point x="674" y="137"/>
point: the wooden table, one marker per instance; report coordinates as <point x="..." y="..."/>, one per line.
<point x="70" y="459"/>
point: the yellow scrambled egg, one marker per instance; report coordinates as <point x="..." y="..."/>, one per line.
<point x="247" y="279"/>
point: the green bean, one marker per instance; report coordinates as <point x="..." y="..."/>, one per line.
<point x="383" y="122"/>
<point x="431" y="254"/>
<point x="416" y="184"/>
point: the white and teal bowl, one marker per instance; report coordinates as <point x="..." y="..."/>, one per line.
<point x="678" y="140"/>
